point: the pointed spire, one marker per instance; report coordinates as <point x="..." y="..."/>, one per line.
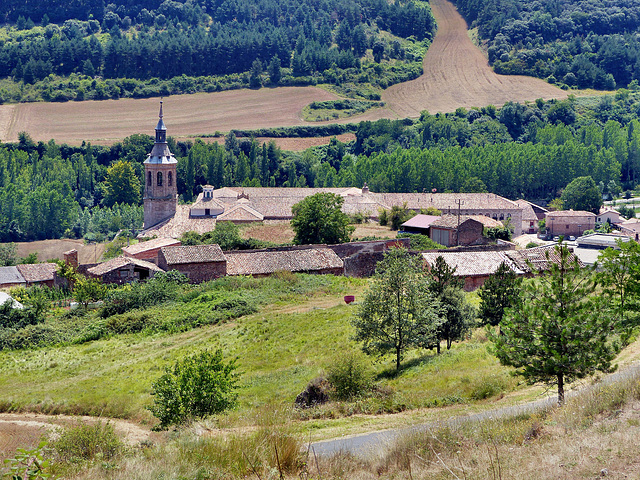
<point x="161" y="115"/>
<point x="161" y="129"/>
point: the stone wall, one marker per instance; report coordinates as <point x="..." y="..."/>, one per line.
<point x="197" y="272"/>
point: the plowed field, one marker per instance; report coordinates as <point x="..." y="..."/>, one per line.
<point x="457" y="74"/>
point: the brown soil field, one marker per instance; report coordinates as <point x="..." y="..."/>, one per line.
<point x="457" y="74"/>
<point x="52" y="249"/>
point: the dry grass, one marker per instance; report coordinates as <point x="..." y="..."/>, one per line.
<point x="52" y="249"/>
<point x="280" y="231"/>
<point x="457" y="74"/>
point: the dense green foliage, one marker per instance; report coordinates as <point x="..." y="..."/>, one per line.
<point x="399" y="310"/>
<point x="582" y="194"/>
<point x="152" y="48"/>
<point x="319" y="219"/>
<point x="576" y="43"/>
<point x="195" y="387"/>
<point x="559" y="333"/>
<point x="500" y="291"/>
<point x="227" y="235"/>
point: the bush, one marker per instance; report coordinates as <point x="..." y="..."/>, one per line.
<point x="420" y="242"/>
<point x="85" y="442"/>
<point x="350" y="376"/>
<point x="197" y="386"/>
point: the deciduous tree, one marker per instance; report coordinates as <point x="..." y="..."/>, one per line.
<point x="122" y="185"/>
<point x="398" y="311"/>
<point x="319" y="219"/>
<point x="582" y="194"/>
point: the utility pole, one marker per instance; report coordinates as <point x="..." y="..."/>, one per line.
<point x="459" y="202"/>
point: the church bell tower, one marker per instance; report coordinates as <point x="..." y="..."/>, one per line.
<point x="160" y="191"/>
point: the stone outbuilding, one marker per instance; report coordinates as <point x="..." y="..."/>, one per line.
<point x="570" y="222"/>
<point x="452" y="230"/>
<point x="123" y="269"/>
<point x="39" y="273"/>
<point x="419" y="224"/>
<point x="473" y="267"/>
<point x="200" y="263"/>
<point x="259" y="263"/>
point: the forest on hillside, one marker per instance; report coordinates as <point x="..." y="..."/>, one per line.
<point x="87" y="49"/>
<point x="518" y="151"/>
<point x="575" y="43"/>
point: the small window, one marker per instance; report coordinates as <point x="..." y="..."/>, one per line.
<point x="502" y="216"/>
<point x="149" y="179"/>
<point x="159" y="179"/>
<point x="169" y="179"/>
<point x="567" y="227"/>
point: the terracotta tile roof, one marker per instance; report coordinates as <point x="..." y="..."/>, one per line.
<point x="540" y="258"/>
<point x="451" y="221"/>
<point x="182" y="222"/>
<point x="570" y="213"/>
<point x="202" y="202"/>
<point x="38" y="272"/>
<point x="469" y="264"/>
<point x="11" y="275"/>
<point x="154" y="243"/>
<point x="193" y="254"/>
<point x="241" y="213"/>
<point x="528" y="214"/>
<point x="266" y="262"/>
<point x="421" y="221"/>
<point x="119" y="262"/>
<point x="448" y="202"/>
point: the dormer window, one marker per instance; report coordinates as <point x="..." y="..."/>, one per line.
<point x="159" y="182"/>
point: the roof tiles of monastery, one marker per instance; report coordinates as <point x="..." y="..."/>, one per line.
<point x="570" y="213"/>
<point x="267" y="262"/>
<point x="38" y="272"/>
<point x="528" y="214"/>
<point x="193" y="254"/>
<point x="152" y="244"/>
<point x="180" y="223"/>
<point x="241" y="213"/>
<point x="10" y="275"/>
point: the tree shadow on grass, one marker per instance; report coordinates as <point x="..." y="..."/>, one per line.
<point x="391" y="372"/>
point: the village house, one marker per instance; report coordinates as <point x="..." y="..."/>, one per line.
<point x="122" y="270"/>
<point x="200" y="263"/>
<point x="453" y="230"/>
<point x="609" y="215"/>
<point x="569" y="222"/>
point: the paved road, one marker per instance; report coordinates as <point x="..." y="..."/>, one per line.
<point x="375" y="443"/>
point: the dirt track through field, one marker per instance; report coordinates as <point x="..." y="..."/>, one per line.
<point x="456" y="74"/>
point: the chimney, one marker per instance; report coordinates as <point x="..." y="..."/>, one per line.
<point x="71" y="258"/>
<point x="365" y="188"/>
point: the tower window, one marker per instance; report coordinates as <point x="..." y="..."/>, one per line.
<point x="149" y="179"/>
<point x="159" y="179"/>
<point x="170" y="179"/>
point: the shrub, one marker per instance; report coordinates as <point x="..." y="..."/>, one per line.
<point x="85" y="442"/>
<point x="197" y="386"/>
<point x="350" y="376"/>
<point x="420" y="242"/>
